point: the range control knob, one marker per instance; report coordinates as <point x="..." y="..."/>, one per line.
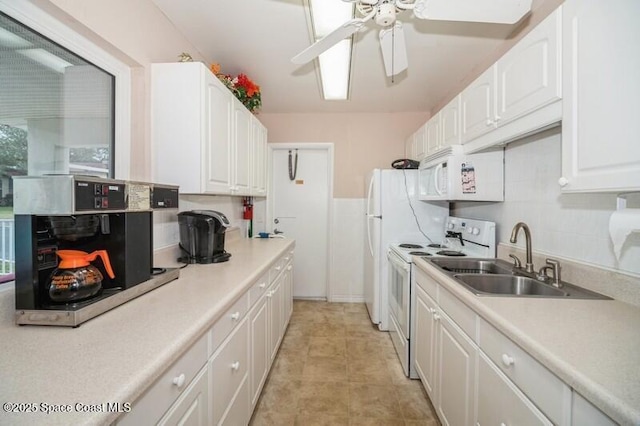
<point x="476" y="231"/>
<point x="469" y="229"/>
<point x="450" y="225"/>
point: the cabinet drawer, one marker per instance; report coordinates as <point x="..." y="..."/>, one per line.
<point x="276" y="269"/>
<point x="228" y="369"/>
<point x="426" y="283"/>
<point x="460" y="313"/>
<point x="500" y="402"/>
<point x="258" y="289"/>
<point x="546" y="390"/>
<point x="585" y="414"/>
<point x="191" y="408"/>
<point x="227" y="322"/>
<point x="153" y="403"/>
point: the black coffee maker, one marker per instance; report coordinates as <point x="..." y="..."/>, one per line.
<point x="202" y="236"/>
<point x="61" y="222"/>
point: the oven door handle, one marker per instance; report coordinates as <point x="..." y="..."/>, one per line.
<point x="397" y="262"/>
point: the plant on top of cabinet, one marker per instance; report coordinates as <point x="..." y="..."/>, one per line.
<point x="242" y="88"/>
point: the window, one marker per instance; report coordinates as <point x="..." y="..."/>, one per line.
<point x="57" y="114"/>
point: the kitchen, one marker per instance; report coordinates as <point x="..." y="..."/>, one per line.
<point x="573" y="226"/>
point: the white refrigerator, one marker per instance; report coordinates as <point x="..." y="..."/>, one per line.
<point x="394" y="215"/>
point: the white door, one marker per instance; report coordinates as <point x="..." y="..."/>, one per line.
<point x="300" y="209"/>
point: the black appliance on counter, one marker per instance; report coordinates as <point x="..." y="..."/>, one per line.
<point x="202" y="235"/>
<point x="76" y="214"/>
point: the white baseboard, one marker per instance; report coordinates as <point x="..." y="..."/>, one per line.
<point x="347" y="299"/>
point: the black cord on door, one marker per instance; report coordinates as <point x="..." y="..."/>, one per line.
<point x="293" y="168"/>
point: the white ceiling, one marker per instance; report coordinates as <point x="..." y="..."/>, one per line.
<point x="259" y="37"/>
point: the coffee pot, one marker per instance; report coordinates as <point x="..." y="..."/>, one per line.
<point x="76" y="278"/>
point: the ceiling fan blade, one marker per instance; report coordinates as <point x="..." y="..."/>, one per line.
<point x="492" y="11"/>
<point x="394" y="49"/>
<point x="340" y="33"/>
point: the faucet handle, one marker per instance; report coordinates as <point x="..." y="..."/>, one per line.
<point x="516" y="261"/>
<point x="555" y="266"/>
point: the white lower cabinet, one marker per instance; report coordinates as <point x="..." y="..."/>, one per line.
<point x="501" y="402"/>
<point x="475" y="375"/>
<point x="219" y="379"/>
<point x="228" y="369"/>
<point x="456" y="374"/>
<point x="191" y="408"/>
<point x="583" y="413"/>
<point x="425" y="344"/>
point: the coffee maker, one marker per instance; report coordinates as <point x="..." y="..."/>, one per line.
<point x="202" y="235"/>
<point x="84" y="245"/>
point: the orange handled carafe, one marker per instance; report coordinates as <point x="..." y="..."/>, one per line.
<point x="76" y="278"/>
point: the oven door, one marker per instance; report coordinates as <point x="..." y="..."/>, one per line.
<point x="399" y="294"/>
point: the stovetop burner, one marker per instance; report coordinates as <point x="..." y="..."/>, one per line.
<point x="419" y="253"/>
<point x="435" y="245"/>
<point x="450" y="253"/>
<point x="410" y="246"/>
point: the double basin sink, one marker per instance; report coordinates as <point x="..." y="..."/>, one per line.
<point x="496" y="277"/>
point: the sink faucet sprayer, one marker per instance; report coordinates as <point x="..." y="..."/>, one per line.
<point x="527" y="236"/>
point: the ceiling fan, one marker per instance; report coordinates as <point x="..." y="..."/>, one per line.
<point x="392" y="42"/>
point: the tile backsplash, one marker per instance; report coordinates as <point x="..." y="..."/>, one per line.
<point x="574" y="226"/>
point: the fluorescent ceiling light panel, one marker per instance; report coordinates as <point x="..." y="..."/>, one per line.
<point x="12" y="41"/>
<point x="45" y="58"/>
<point x="335" y="64"/>
<point x="327" y="15"/>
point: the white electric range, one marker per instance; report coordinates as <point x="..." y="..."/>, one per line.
<point x="463" y="238"/>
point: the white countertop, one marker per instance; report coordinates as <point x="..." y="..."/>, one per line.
<point x="116" y="356"/>
<point x="592" y="345"/>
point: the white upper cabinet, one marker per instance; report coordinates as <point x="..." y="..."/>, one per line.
<point x="433" y="137"/>
<point x="259" y="158"/>
<point x="520" y="93"/>
<point x="242" y="143"/>
<point x="217" y="123"/>
<point x="202" y="136"/>
<point x="450" y="123"/>
<point x="600" y="128"/>
<point x="478" y="106"/>
<point x="529" y="74"/>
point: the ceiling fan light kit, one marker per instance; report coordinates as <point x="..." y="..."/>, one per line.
<point x="392" y="40"/>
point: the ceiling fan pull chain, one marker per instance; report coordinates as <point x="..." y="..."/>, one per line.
<point x="393" y="53"/>
<point x="293" y="170"/>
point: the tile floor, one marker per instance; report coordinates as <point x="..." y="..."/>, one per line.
<point x="335" y="368"/>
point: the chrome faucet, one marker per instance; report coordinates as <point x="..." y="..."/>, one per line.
<point x="553" y="266"/>
<point x="527" y="236"/>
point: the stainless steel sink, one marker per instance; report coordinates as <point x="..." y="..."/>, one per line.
<point x="509" y="285"/>
<point x="473" y="266"/>
<point x="497" y="277"/>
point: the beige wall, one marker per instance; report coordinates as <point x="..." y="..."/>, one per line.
<point x="137" y="33"/>
<point x="361" y="141"/>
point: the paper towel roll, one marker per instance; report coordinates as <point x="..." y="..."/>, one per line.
<point x="622" y="224"/>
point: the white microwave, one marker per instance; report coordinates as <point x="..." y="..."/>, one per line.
<point x="450" y="175"/>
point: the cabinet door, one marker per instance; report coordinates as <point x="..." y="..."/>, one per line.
<point x="432" y="134"/>
<point x="218" y="137"/>
<point x="456" y="356"/>
<point x="425" y="340"/>
<point x="583" y="413"/>
<point x="258" y="158"/>
<point x="260" y="355"/>
<point x="191" y="408"/>
<point x="229" y="368"/>
<point x="600" y="128"/>
<point x="529" y="74"/>
<point x="420" y="143"/>
<point x="500" y="402"/>
<point x="241" y="181"/>
<point x="288" y="294"/>
<point x="450" y="123"/>
<point x="478" y="106"/>
<point x="275" y="301"/>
